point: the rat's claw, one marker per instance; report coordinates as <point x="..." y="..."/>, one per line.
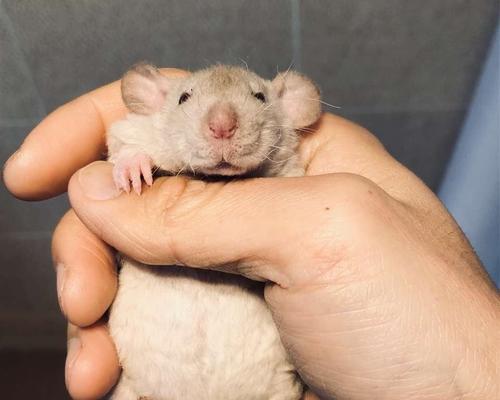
<point x="128" y="170"/>
<point x="146" y="171"/>
<point x="125" y="181"/>
<point x="121" y="178"/>
<point x="135" y="177"/>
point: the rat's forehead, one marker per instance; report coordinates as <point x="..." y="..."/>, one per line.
<point x="223" y="78"/>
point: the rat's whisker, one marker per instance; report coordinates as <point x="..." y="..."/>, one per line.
<point x="308" y="130"/>
<point x="279" y="148"/>
<point x="287" y="70"/>
<point x="320" y="101"/>
<point x="244" y="63"/>
<point x="273" y="150"/>
<point x="155" y="170"/>
<point x="181" y="170"/>
<point x="263" y="109"/>
<point x="304" y="129"/>
<point x="323" y="102"/>
<point x="275" y="161"/>
<point x="190" y="165"/>
<point x="186" y="113"/>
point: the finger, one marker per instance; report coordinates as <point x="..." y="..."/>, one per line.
<point x="86" y="275"/>
<point x="67" y="139"/>
<point x="341" y="146"/>
<point x="213" y="225"/>
<point x="335" y="144"/>
<point x="92" y="366"/>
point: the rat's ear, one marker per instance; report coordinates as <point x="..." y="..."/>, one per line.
<point x="144" y="89"/>
<point x="299" y="96"/>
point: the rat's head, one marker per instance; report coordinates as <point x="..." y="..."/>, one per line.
<point x="225" y="120"/>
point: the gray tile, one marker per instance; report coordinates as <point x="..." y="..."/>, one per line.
<point x="19" y="97"/>
<point x="74" y="46"/>
<point x="18" y="216"/>
<point x="29" y="313"/>
<point x="397" y="55"/>
<point x="420" y="140"/>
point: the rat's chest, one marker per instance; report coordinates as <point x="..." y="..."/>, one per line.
<point x="185" y="334"/>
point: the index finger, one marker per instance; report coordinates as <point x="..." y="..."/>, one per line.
<point x="69" y="138"/>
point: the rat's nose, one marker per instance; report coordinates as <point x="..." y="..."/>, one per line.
<point x="222" y="121"/>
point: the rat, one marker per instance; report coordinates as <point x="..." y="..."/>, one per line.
<point x="186" y="333"/>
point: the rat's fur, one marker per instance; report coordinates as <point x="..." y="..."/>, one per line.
<point x="188" y="334"/>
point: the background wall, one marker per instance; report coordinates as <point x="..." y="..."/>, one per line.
<point x="471" y="185"/>
<point x="403" y="69"/>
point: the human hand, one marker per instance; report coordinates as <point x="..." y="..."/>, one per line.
<point x="374" y="289"/>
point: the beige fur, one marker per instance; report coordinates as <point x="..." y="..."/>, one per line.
<point x="190" y="334"/>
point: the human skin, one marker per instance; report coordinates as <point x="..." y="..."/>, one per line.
<point x="374" y="289"/>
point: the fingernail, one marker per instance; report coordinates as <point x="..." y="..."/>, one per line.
<point x="73" y="351"/>
<point x="97" y="182"/>
<point x="61" y="279"/>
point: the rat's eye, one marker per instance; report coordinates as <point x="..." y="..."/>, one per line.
<point x="184" y="97"/>
<point x="260" y="96"/>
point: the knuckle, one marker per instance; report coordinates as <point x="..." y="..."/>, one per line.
<point x="360" y="206"/>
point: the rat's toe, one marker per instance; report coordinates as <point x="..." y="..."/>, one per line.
<point x="121" y="178"/>
<point x="135" y="177"/>
<point x="146" y="172"/>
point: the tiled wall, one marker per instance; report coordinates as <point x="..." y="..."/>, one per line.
<point x="404" y="69"/>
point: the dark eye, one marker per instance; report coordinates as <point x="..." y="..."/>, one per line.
<point x="184" y="97"/>
<point x="260" y="96"/>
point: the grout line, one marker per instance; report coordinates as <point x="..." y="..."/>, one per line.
<point x="296" y="34"/>
<point x="24" y="67"/>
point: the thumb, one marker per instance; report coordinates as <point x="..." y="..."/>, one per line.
<point x="260" y="228"/>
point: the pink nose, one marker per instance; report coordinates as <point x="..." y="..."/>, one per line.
<point x="222" y="122"/>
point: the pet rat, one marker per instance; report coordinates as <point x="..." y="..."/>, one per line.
<point x="185" y="333"/>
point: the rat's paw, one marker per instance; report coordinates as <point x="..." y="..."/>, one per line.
<point x="128" y="170"/>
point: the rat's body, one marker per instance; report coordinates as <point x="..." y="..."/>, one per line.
<point x="185" y="333"/>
